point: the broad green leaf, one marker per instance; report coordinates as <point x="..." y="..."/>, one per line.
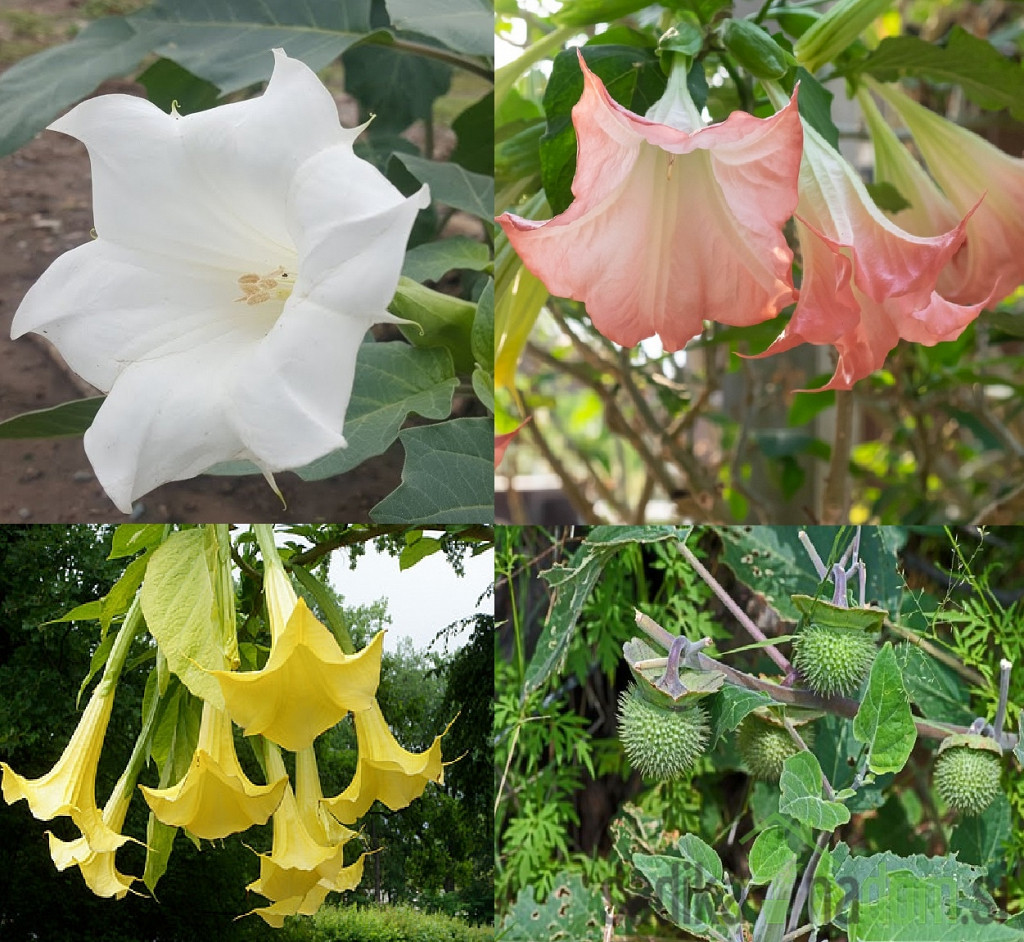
<point x="840" y="755"/>
<point x="419" y="549"/>
<point x="87" y="611"/>
<point x="453" y="185"/>
<point x="703" y="856"/>
<point x="571" y="912"/>
<point x="884" y="721"/>
<point x="987" y="77"/>
<point x="439" y="320"/>
<point x="448" y="475"/>
<point x="769" y="854"/>
<point x="130" y="538"/>
<point x="482" y="337"/>
<point x="228" y="42"/>
<point x="38" y="88"/>
<point x="979" y="839"/>
<point x="474" y="129"/>
<point x="615" y="536"/>
<point x="432" y="260"/>
<point x="938" y="690"/>
<point x="589" y="12"/>
<point x="181" y="611"/>
<point x="633" y="77"/>
<point x="167" y="84"/>
<point x="800" y="796"/>
<point x="826" y="897"/>
<point x="393" y="380"/>
<point x="730" y="706"/>
<point x="67" y="419"/>
<point x="483" y="386"/>
<point x="332" y="611"/>
<point x="396" y="88"/>
<point x="462" y="25"/>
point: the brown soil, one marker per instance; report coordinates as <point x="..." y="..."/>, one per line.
<point x="45" y="209"/>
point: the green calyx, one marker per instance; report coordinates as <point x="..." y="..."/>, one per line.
<point x="765" y="746"/>
<point x="834" y="661"/>
<point x="967" y="777"/>
<point x="661" y="742"/>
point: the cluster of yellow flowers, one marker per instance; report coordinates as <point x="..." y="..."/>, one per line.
<point x="306" y="687"/>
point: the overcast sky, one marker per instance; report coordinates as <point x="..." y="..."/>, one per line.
<point x="421" y="600"/>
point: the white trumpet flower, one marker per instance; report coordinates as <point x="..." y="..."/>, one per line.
<point x="241" y="253"/>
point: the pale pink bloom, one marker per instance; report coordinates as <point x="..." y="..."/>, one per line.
<point x="673" y="223"/>
<point x="867" y="283"/>
<point x="968" y="169"/>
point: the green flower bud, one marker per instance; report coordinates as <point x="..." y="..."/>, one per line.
<point x="836" y="31"/>
<point x="661" y="742"/>
<point x="833" y="660"/>
<point x="754" y="49"/>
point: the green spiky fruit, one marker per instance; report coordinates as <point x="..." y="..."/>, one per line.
<point x="967" y="779"/>
<point x="833" y="660"/>
<point x="661" y="742"/>
<point x="764" y="746"/>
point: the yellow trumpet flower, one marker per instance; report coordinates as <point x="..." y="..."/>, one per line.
<point x="307" y="857"/>
<point x="307" y="684"/>
<point x="215" y="797"/>
<point x="384" y="770"/>
<point x="69" y="788"/>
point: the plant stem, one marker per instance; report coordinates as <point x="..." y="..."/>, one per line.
<point x="476" y="66"/>
<point x="835" y="504"/>
<point x="805" y="883"/>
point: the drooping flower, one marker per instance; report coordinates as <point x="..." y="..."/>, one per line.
<point x="215" y="797"/>
<point x="69" y="788"/>
<point x="867" y="283"/>
<point x="241" y="255"/>
<point x="968" y="169"/>
<point x="307" y="684"/>
<point x="307" y="856"/>
<point x="385" y="771"/>
<point x="673" y="223"/>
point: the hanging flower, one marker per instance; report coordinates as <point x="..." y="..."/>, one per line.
<point x="976" y="179"/>
<point x="867" y="283"/>
<point x="673" y="223"/>
<point x="306" y="860"/>
<point x="69" y="788"/>
<point x="307" y="684"/>
<point x="241" y="255"/>
<point x="385" y="771"/>
<point x="215" y="797"/>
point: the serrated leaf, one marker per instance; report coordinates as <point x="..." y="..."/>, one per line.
<point x="67" y="419"/>
<point x="730" y="707"/>
<point x="453" y="185"/>
<point x="800" y="795"/>
<point x="462" y="25"/>
<point x="180" y="607"/>
<point x="840" y="754"/>
<point x="448" y="475"/>
<point x="769" y="854"/>
<point x="884" y="721"/>
<point x="432" y="260"/>
<point x="703" y="857"/>
<point x="571" y="912"/>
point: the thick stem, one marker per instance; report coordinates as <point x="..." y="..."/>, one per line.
<point x="835" y="503"/>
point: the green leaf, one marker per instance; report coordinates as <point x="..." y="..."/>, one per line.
<point x="483" y="386"/>
<point x="839" y="754"/>
<point x="462" y="25"/>
<point x="474" y="130"/>
<point x="815" y="104"/>
<point x="332" y="611"/>
<point x="393" y="380"/>
<point x="448" y="475"/>
<point x="938" y="691"/>
<point x="987" y="77"/>
<point x="167" y="83"/>
<point x="887" y="197"/>
<point x="633" y="77"/>
<point x="67" y="419"/>
<point x="884" y="720"/>
<point x="453" y="185"/>
<point x="38" y="88"/>
<point x="589" y="12"/>
<point x="431" y="261"/>
<point x="417" y="550"/>
<point x="801" y="794"/>
<point x="703" y="856"/>
<point x="769" y="854"/>
<point x="441" y="321"/>
<point x="729" y="708"/>
<point x="827" y="895"/>
<point x="228" y="42"/>
<point x="482" y="336"/>
<point x="180" y="607"/>
<point x="771" y="921"/>
<point x="130" y="538"/>
<point x="571" y="912"/>
<point x="395" y="87"/>
<point x="979" y="839"/>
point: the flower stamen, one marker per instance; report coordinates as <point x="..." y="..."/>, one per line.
<point x="259" y="288"/>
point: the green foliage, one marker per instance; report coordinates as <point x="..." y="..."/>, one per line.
<point x="392" y="924"/>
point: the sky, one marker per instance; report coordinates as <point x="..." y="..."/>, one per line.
<point x="423" y="599"/>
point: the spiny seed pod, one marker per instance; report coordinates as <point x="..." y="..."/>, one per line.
<point x="765" y="746"/>
<point x="833" y="660"/>
<point x="661" y="742"/>
<point x="966" y="772"/>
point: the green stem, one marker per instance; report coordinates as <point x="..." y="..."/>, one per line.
<point x="474" y="65"/>
<point x="508" y="75"/>
<point x="122" y="645"/>
<point x="224" y="588"/>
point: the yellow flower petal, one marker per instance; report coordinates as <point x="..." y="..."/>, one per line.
<point x="99" y="869"/>
<point x="384" y="770"/>
<point x="307" y="685"/>
<point x="294" y="906"/>
<point x="69" y="788"/>
<point x="215" y="798"/>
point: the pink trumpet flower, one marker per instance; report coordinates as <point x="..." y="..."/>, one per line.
<point x="867" y="283"/>
<point x="674" y="223"/>
<point x="968" y="169"/>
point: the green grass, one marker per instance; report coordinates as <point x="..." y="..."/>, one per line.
<point x="393" y="924"/>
